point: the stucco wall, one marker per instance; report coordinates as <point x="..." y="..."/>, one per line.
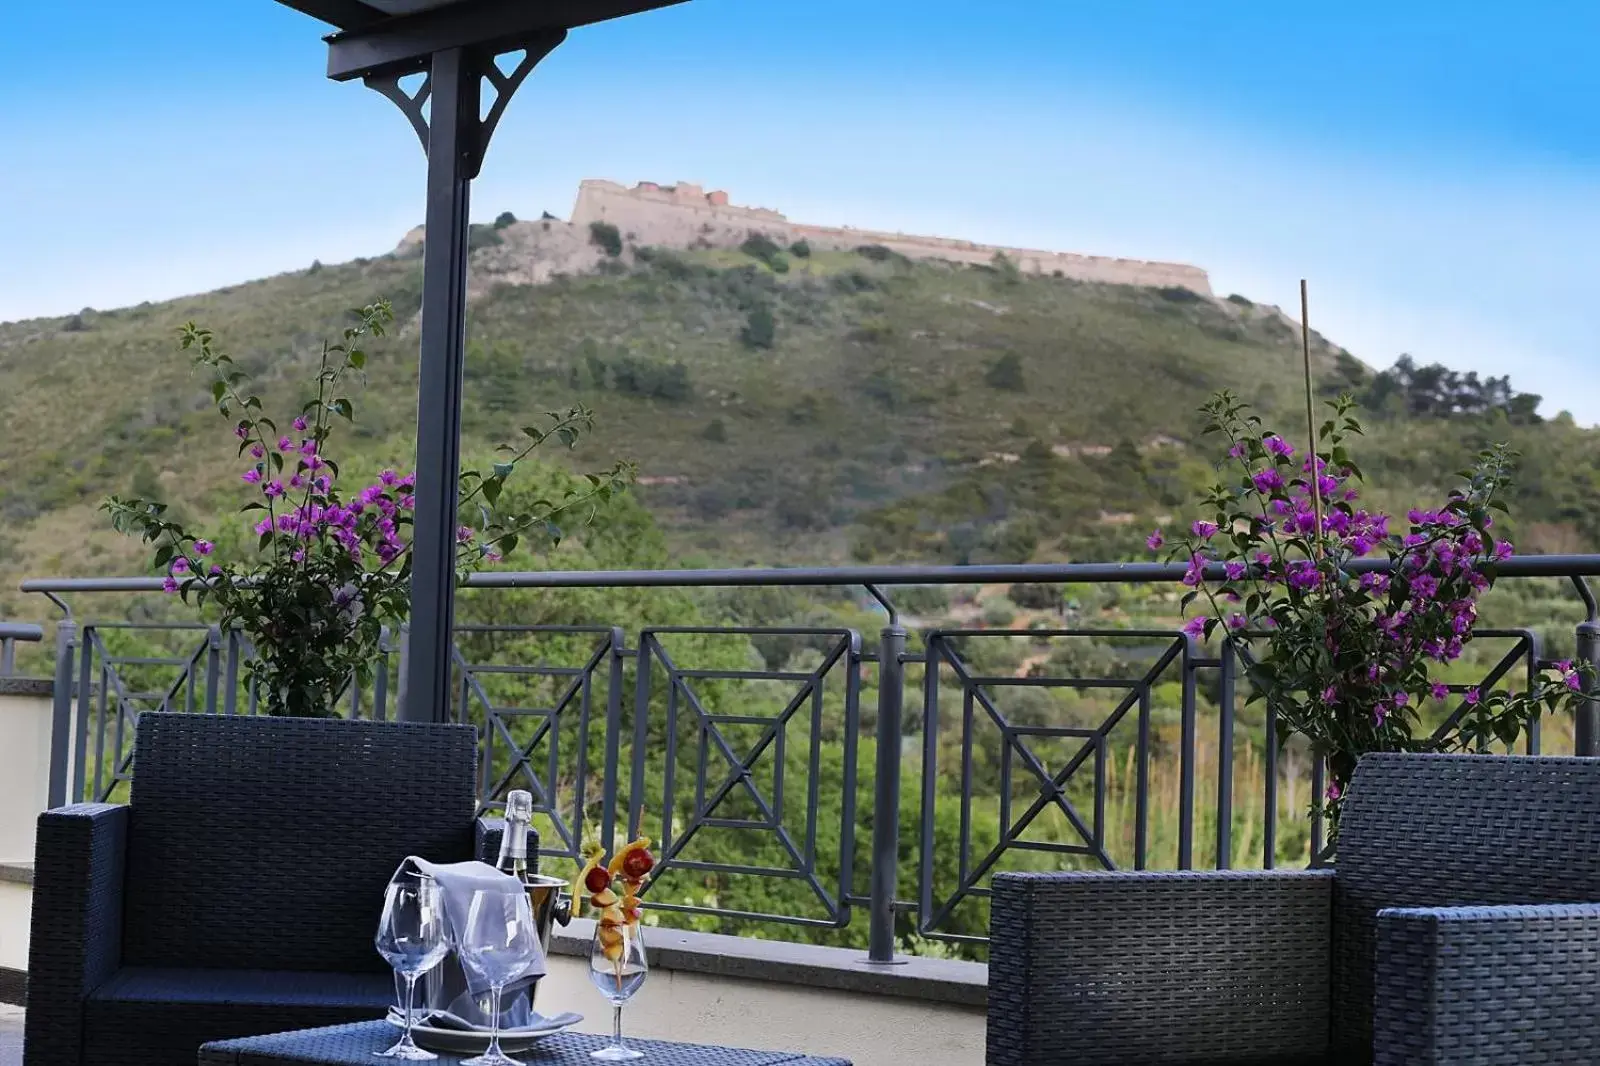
<point x="868" y="1030"/>
<point x="679" y="216"/>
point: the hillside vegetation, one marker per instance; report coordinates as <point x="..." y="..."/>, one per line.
<point x="783" y="407"/>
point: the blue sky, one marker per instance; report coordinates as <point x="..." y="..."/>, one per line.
<point x="1434" y="171"/>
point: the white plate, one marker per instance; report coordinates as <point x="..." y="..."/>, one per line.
<point x="461" y="1041"/>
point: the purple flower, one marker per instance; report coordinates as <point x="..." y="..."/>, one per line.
<point x="409" y="481"/>
<point x="264" y="526"/>
<point x="1564" y="665"/>
<point x="1380" y="714"/>
<point x="242" y="431"/>
<point x="300" y="424"/>
<point x="215" y="569"/>
<point x="285" y="444"/>
<point x="296" y="482"/>
<point x="1278" y="446"/>
<point x="1203" y="529"/>
<point x="1377" y="584"/>
<point x="1235" y="570"/>
<point x="1303" y="574"/>
<point x="1401" y="699"/>
<point x="257" y="451"/>
<point x="180" y="565"/>
<point x="170" y="584"/>
<point x="252" y="476"/>
<point x="1473" y="697"/>
<point x="1154" y="541"/>
<point x="1333" y="792"/>
<point x="389" y="477"/>
<point x="1237" y="622"/>
<point x="321" y="485"/>
<point x="1195" y="627"/>
<point x="1267" y="481"/>
<point x="203" y="547"/>
<point x="492" y="555"/>
<point x="464" y="534"/>
<point x="1194" y="576"/>
<point x="408" y="502"/>
<point x="308" y="447"/>
<point x="1440" y="690"/>
<point x="1329" y="695"/>
<point x="299" y="556"/>
<point x="1574" y="681"/>
<point x="1239" y="449"/>
<point x="1503" y="551"/>
<point x="274" y="489"/>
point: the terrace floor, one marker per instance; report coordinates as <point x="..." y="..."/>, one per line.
<point x="10" y="1036"/>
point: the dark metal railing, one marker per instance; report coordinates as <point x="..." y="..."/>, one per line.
<point x="687" y="746"/>
<point x="10" y="634"/>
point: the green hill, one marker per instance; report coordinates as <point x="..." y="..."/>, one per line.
<point x="782" y="407"/>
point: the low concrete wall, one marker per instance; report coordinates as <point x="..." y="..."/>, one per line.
<point x="25" y="721"/>
<point x="766" y="994"/>
<point x="16" y="899"/>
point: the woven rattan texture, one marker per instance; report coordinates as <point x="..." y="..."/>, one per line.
<point x="353" y="1045"/>
<point x="1479" y="986"/>
<point x="1088" y="969"/>
<point x="264" y="843"/>
<point x="76" y="925"/>
<point x="151" y="1017"/>
<point x="1454" y="830"/>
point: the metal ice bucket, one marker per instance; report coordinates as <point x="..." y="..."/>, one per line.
<point x="445" y="986"/>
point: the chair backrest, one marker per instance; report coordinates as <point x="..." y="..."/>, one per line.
<point x="265" y="843"/>
<point x="1453" y="830"/>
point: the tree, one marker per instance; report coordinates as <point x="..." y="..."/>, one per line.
<point x="1005" y="373"/>
<point x="504" y="219"/>
<point x="800" y="249"/>
<point x="606" y="237"/>
<point x="760" y="328"/>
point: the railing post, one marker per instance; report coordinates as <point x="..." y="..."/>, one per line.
<point x="1586" y="740"/>
<point x="61" y="721"/>
<point x="884" y="884"/>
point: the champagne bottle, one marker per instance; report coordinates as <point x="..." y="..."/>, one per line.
<point x="514" y="840"/>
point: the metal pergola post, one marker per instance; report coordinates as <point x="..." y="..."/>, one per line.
<point x="455" y="83"/>
<point x="454" y="44"/>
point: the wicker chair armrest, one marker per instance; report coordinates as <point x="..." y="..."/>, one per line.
<point x="1089" y="968"/>
<point x="75" y="942"/>
<point x="486" y="839"/>
<point x="1487" y="984"/>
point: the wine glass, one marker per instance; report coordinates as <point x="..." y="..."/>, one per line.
<point x="499" y="941"/>
<point x="617" y="966"/>
<point x="411" y="937"/>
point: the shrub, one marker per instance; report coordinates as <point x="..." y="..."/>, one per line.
<point x="606" y="237"/>
<point x="1179" y="295"/>
<point x="875" y="252"/>
<point x="800" y="249"/>
<point x="1005" y="373"/>
<point x="480" y="236"/>
<point x="760" y="328"/>
<point x="315" y="268"/>
<point x="504" y="219"/>
<point x="716" y="431"/>
<point x="999" y="612"/>
<point x="651" y="378"/>
<point x="760" y="247"/>
<point x="1242" y="301"/>
<point x="1035" y="597"/>
<point x="1006" y="269"/>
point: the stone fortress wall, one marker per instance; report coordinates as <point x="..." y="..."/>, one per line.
<point x="684" y="214"/>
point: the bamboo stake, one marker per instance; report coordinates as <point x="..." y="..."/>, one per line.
<point x="1311" y="418"/>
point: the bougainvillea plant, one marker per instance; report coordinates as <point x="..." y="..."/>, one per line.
<point x="332" y="563"/>
<point x="1352" y="655"/>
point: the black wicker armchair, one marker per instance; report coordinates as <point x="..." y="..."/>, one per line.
<point x="239" y="891"/>
<point x="1461" y="925"/>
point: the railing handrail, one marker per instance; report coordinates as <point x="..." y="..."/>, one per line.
<point x="21" y="631"/>
<point x="988" y="574"/>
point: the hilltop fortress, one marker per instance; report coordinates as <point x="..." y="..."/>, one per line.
<point x="684" y="215"/>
